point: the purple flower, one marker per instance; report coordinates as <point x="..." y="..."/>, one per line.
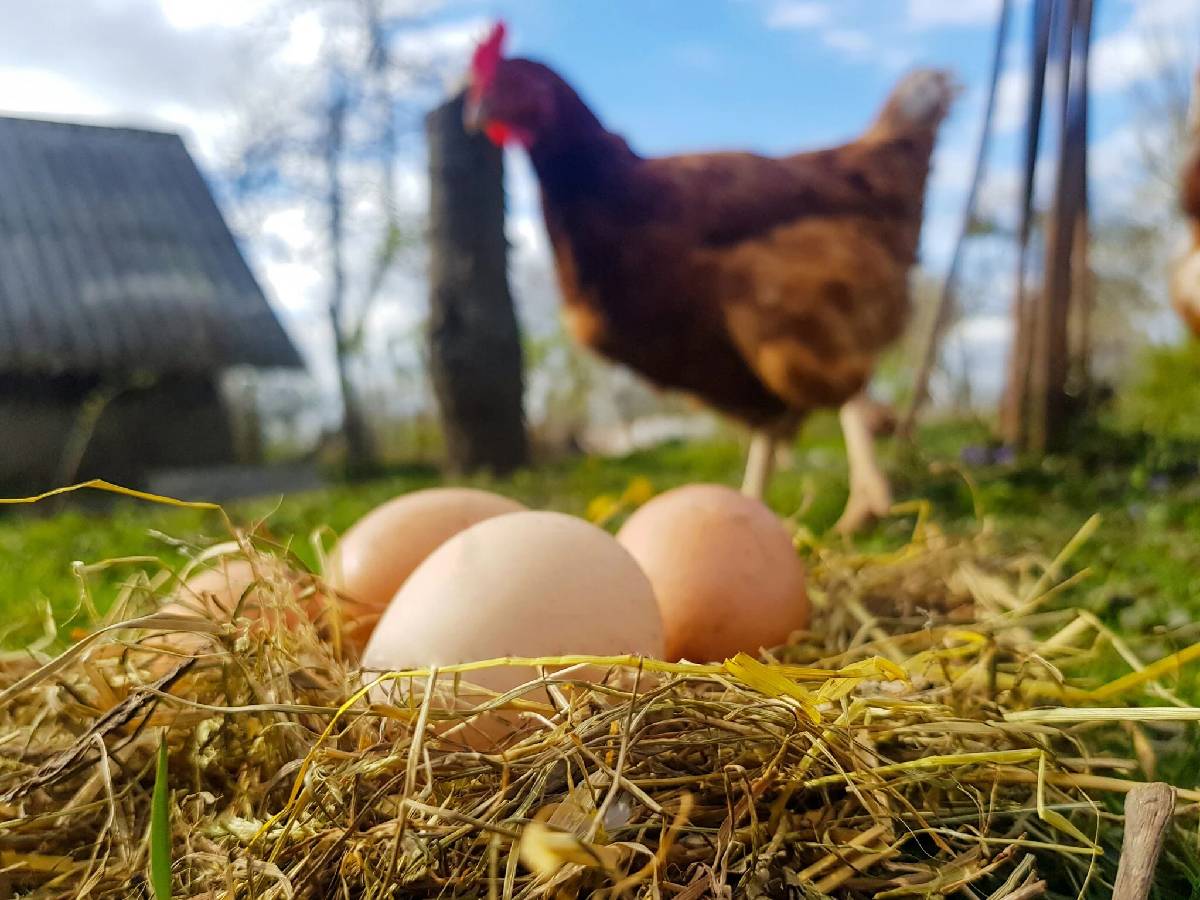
<point x="976" y="455"/>
<point x="1004" y="456"/>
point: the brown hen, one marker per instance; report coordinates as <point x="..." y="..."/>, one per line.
<point x="765" y="287"/>
<point x="1185" y="280"/>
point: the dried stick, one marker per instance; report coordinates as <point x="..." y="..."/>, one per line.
<point x="1148" y="810"/>
<point x="1029" y="892"/>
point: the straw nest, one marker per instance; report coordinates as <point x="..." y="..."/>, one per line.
<point x="937" y="736"/>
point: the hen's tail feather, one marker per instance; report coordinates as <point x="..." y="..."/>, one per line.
<point x="920" y="101"/>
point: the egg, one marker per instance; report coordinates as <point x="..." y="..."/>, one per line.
<point x="523" y="584"/>
<point x="724" y="570"/>
<point x="380" y="551"/>
<point x="258" y="592"/>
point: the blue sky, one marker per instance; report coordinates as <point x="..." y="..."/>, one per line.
<point x="778" y="75"/>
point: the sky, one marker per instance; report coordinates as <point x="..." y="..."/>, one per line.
<point x="670" y="75"/>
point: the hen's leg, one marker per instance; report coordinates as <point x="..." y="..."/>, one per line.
<point x="870" y="493"/>
<point x="785" y="456"/>
<point x="759" y="464"/>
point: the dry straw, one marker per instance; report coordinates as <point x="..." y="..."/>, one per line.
<point x="937" y="736"/>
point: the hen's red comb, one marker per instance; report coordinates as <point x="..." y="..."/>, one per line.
<point x="488" y="54"/>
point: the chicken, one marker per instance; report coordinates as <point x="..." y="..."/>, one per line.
<point x="765" y="287"/>
<point x="1185" y="280"/>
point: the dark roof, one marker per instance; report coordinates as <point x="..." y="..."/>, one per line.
<point x="114" y="256"/>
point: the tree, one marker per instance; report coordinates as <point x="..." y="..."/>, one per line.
<point x="474" y="343"/>
<point x="326" y="138"/>
<point x="359" y="454"/>
<point x="1014" y="404"/>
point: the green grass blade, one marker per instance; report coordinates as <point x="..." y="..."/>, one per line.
<point x="160" y="829"/>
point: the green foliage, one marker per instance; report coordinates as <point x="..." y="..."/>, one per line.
<point x="1164" y="398"/>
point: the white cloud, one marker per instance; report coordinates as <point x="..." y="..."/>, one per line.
<point x="294" y="285"/>
<point x="984" y="329"/>
<point x="999" y="196"/>
<point x="1012" y="98"/>
<point x="305" y="35"/>
<point x="42" y="92"/>
<point x="1168" y="13"/>
<point x="290" y="226"/>
<point x="531" y="267"/>
<point x="188" y="14"/>
<point x="1119" y="162"/>
<point x="953" y="162"/>
<point x="527" y="235"/>
<point x="1140" y="51"/>
<point x="851" y="41"/>
<point x="975" y="351"/>
<point x="445" y="47"/>
<point x="208" y="132"/>
<point x="838" y="33"/>
<point x="797" y="15"/>
<point x="521" y="183"/>
<point x="124" y="51"/>
<point x="943" y="13"/>
<point x="938" y="232"/>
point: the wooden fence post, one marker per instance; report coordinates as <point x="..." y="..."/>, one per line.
<point x="474" y="342"/>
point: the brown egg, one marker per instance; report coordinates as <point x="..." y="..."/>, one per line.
<point x="724" y="570"/>
<point x="379" y="552"/>
<point x="257" y="593"/>
<point x="525" y="584"/>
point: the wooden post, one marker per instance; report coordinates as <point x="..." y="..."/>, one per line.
<point x="474" y="342"/>
<point x="1014" y="409"/>
<point x="1148" y="811"/>
<point x="1051" y="351"/>
<point x="1081" y="276"/>
<point x="1037" y="404"/>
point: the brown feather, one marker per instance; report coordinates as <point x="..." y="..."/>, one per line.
<point x="1185" y="278"/>
<point x="766" y="287"/>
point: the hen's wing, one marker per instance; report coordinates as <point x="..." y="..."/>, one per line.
<point x="804" y="259"/>
<point x="723" y="199"/>
<point x="728" y="198"/>
<point x="811" y="304"/>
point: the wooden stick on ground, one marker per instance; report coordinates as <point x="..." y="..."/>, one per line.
<point x="1029" y="892"/>
<point x="1148" y="810"/>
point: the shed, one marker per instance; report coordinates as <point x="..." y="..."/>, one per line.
<point x="123" y="300"/>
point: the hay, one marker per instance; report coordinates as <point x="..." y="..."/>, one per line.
<point x="938" y="735"/>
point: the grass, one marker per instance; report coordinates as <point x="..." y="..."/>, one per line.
<point x="1143" y="560"/>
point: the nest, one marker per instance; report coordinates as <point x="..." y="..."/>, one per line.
<point x="938" y="734"/>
